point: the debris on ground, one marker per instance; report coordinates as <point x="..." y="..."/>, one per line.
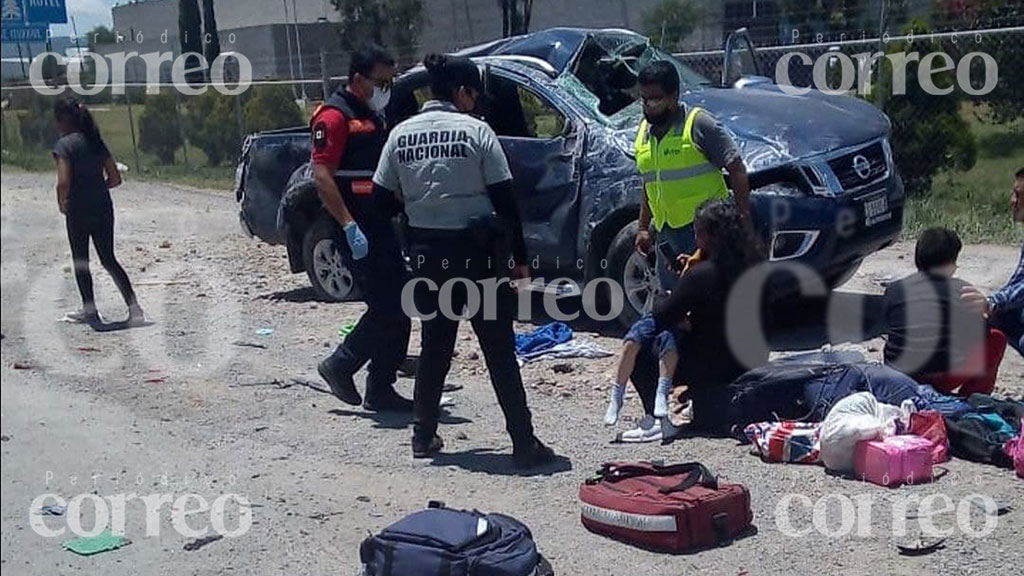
<point x="103" y="542"/>
<point x="165" y="244"/>
<point x="452" y="388"/>
<point x="446" y="402"/>
<point x="264" y="331"/>
<point x="562" y="369"/>
<point x="244" y="344"/>
<point x="156" y="380"/>
<point x="22" y="366"/>
<point x="88" y="349"/>
<point x="52" y="510"/>
<point x="921" y="547"/>
<point x="200" y="542"/>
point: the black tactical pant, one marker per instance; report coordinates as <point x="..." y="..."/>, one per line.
<point x="381" y="336"/>
<point x="467" y="260"/>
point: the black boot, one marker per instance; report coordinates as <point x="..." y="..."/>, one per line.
<point x="341" y="383"/>
<point x="532" y="455"/>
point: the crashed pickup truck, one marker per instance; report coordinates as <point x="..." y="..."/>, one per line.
<point x="564" y="103"/>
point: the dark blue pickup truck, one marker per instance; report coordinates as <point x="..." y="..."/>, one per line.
<point x="564" y="104"/>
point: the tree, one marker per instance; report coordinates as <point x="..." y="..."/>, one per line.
<point x="270" y="108"/>
<point x="515" y="17"/>
<point x="211" y="125"/>
<point x="928" y="132"/>
<point x="158" y="133"/>
<point x="669" y="23"/>
<point x="210" y="36"/>
<point x="190" y="36"/>
<point x="100" y="35"/>
<point x="395" y="23"/>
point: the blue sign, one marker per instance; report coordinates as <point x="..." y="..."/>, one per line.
<point x="33" y="13"/>
<point x="48" y="11"/>
<point x="23" y="33"/>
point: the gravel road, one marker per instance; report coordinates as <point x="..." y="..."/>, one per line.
<point x="179" y="407"/>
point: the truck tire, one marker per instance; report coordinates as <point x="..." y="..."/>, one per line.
<point x="330" y="277"/>
<point x="635" y="274"/>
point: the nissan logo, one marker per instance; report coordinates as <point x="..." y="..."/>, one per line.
<point x="862" y="166"/>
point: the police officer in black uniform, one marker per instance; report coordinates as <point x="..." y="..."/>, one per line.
<point x="450" y="172"/>
<point x="348" y="136"/>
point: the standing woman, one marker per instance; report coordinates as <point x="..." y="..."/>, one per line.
<point x="450" y="172"/>
<point x="85" y="174"/>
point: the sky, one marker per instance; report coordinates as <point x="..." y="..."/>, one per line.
<point x="88" y="14"/>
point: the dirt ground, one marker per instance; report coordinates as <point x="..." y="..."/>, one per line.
<point x="178" y="407"/>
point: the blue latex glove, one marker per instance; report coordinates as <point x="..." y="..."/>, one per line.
<point x="356" y="241"/>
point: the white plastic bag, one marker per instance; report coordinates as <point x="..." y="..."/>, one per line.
<point x="853" y="419"/>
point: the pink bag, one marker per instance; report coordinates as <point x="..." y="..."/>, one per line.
<point x="1014" y="448"/>
<point x="895" y="460"/>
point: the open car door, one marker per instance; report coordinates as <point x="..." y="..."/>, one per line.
<point x="740" y="65"/>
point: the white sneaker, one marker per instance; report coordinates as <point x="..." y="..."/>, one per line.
<point x="649" y="430"/>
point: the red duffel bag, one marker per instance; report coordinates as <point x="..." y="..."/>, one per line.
<point x="672" y="508"/>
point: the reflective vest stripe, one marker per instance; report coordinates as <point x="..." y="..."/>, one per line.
<point x="683" y="174"/>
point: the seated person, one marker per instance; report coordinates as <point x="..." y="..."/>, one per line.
<point x="933" y="336"/>
<point x="644" y="333"/>
<point x="695" y="312"/>
<point x="1005" y="308"/>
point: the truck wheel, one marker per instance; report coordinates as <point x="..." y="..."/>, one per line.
<point x="637" y="275"/>
<point x="331" y="279"/>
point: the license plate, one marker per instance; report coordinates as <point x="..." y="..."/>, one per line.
<point x="876" y="210"/>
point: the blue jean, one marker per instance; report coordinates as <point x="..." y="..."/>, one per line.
<point x="644" y="332"/>
<point x="681" y="241"/>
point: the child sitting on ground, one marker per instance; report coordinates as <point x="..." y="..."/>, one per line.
<point x="931" y="335"/>
<point x="640" y="333"/>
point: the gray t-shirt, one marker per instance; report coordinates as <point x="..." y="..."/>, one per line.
<point x="88" y="181"/>
<point x="441" y="162"/>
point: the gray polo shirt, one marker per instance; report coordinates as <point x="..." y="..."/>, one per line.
<point x="440" y="162"/>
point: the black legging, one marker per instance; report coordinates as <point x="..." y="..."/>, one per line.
<point x="96" y="223"/>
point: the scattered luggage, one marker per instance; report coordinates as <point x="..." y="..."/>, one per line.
<point x="792" y="442"/>
<point x="675" y="508"/>
<point x="930" y="425"/>
<point x="807" y="391"/>
<point x="443" y="542"/>
<point x="980" y="434"/>
<point x="855" y="418"/>
<point x="894" y="461"/>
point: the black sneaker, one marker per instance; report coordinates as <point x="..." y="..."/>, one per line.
<point x="387" y="401"/>
<point x="536" y="455"/>
<point x="421" y="449"/>
<point x="341" y="385"/>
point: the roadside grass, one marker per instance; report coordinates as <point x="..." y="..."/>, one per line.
<point x="976" y="203"/>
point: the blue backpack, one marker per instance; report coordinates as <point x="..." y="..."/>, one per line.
<point x="443" y="542"/>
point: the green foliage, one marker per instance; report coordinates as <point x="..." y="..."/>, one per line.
<point x="928" y="132"/>
<point x="394" y="23"/>
<point x="158" y="128"/>
<point x="100" y="35"/>
<point x="212" y="48"/>
<point x="670" y="22"/>
<point x="36" y="126"/>
<point x="190" y="35"/>
<point x="270" y="108"/>
<point x="211" y="125"/>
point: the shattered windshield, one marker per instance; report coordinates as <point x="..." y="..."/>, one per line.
<point x="604" y="77"/>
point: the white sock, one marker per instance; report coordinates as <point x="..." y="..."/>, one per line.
<point x="611" y="416"/>
<point x="661" y="398"/>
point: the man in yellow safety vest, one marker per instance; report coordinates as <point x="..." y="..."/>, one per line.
<point x="681" y="154"/>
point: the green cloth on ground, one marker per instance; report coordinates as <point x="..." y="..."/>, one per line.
<point x="103" y="542"/>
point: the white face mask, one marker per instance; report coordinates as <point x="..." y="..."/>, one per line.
<point x="379" y="100"/>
